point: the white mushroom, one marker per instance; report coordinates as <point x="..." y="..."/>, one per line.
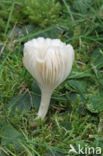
<point x="49" y="61"/>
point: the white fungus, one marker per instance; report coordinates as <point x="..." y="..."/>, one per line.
<point x="49" y="61"/>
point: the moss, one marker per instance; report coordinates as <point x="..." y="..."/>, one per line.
<point x="42" y="13"/>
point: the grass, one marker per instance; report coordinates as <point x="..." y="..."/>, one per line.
<point x="76" y="112"/>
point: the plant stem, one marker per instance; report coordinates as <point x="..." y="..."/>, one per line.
<point x="44" y="105"/>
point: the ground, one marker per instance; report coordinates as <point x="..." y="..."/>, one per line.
<point x="75" y="115"/>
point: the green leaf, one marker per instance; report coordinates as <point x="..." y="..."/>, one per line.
<point x="9" y="135"/>
<point x="78" y="85"/>
<point x="97" y="59"/>
<point x="95" y="104"/>
<point x="20" y="102"/>
<point x="98" y="142"/>
<point x="54" y="33"/>
<point x="100" y="77"/>
<point x="36" y="95"/>
<point x="82" y="6"/>
<point x="26" y="101"/>
<point x="77" y="75"/>
<point x="2" y="153"/>
<point x="20" y="32"/>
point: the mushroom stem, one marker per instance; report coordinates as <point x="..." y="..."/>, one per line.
<point x="44" y="105"/>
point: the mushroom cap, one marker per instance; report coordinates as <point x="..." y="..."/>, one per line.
<point x="48" y="60"/>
